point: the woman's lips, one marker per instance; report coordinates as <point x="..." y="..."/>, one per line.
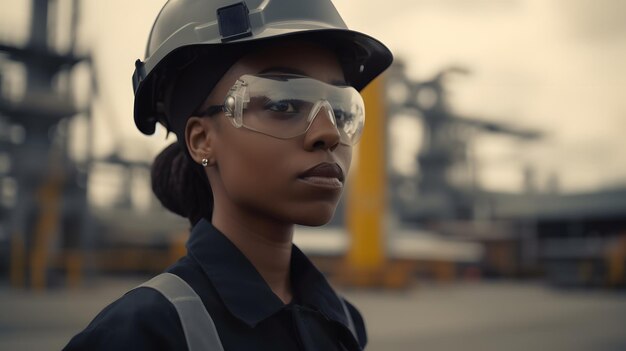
<point x="328" y="175"/>
<point x="323" y="181"/>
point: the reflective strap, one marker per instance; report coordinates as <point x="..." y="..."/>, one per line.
<point x="198" y="326"/>
<point x="349" y="317"/>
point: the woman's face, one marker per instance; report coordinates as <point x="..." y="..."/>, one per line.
<point x="271" y="177"/>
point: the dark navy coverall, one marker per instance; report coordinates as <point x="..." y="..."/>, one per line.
<point x="246" y="313"/>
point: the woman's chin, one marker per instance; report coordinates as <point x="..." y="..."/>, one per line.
<point x="316" y="217"/>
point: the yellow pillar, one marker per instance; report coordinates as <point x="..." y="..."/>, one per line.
<point x="73" y="267"/>
<point x="49" y="201"/>
<point x="18" y="261"/>
<point x="366" y="195"/>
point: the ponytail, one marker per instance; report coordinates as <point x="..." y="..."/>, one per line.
<point x="181" y="185"/>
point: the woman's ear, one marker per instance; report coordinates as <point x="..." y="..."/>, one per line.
<point x="198" y="137"/>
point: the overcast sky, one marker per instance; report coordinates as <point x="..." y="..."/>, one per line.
<point x="558" y="66"/>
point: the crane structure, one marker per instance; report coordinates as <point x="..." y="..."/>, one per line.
<point x="447" y="182"/>
<point x="44" y="199"/>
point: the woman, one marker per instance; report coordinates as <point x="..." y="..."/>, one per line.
<point x="263" y="98"/>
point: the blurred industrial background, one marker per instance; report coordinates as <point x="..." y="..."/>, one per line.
<point x="486" y="208"/>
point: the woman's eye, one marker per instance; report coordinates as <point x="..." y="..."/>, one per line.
<point x="281" y="106"/>
<point x="340" y="116"/>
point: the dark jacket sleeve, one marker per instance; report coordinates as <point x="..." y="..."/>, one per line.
<point x="143" y="319"/>
<point x="359" y="324"/>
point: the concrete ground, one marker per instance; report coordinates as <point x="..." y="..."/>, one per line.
<point x="462" y="316"/>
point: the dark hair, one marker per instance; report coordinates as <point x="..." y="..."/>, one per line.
<point x="181" y="185"/>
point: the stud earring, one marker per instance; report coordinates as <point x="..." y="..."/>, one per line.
<point x="205" y="162"/>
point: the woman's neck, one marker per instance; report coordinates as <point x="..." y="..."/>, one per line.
<point x="266" y="244"/>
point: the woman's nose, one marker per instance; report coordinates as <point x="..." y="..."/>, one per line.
<point x="323" y="132"/>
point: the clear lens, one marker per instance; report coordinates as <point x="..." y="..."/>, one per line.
<point x="284" y="106"/>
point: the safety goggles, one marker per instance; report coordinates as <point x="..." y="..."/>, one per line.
<point x="284" y="106"/>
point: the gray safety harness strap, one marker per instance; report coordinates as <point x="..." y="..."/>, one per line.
<point x="198" y="326"/>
